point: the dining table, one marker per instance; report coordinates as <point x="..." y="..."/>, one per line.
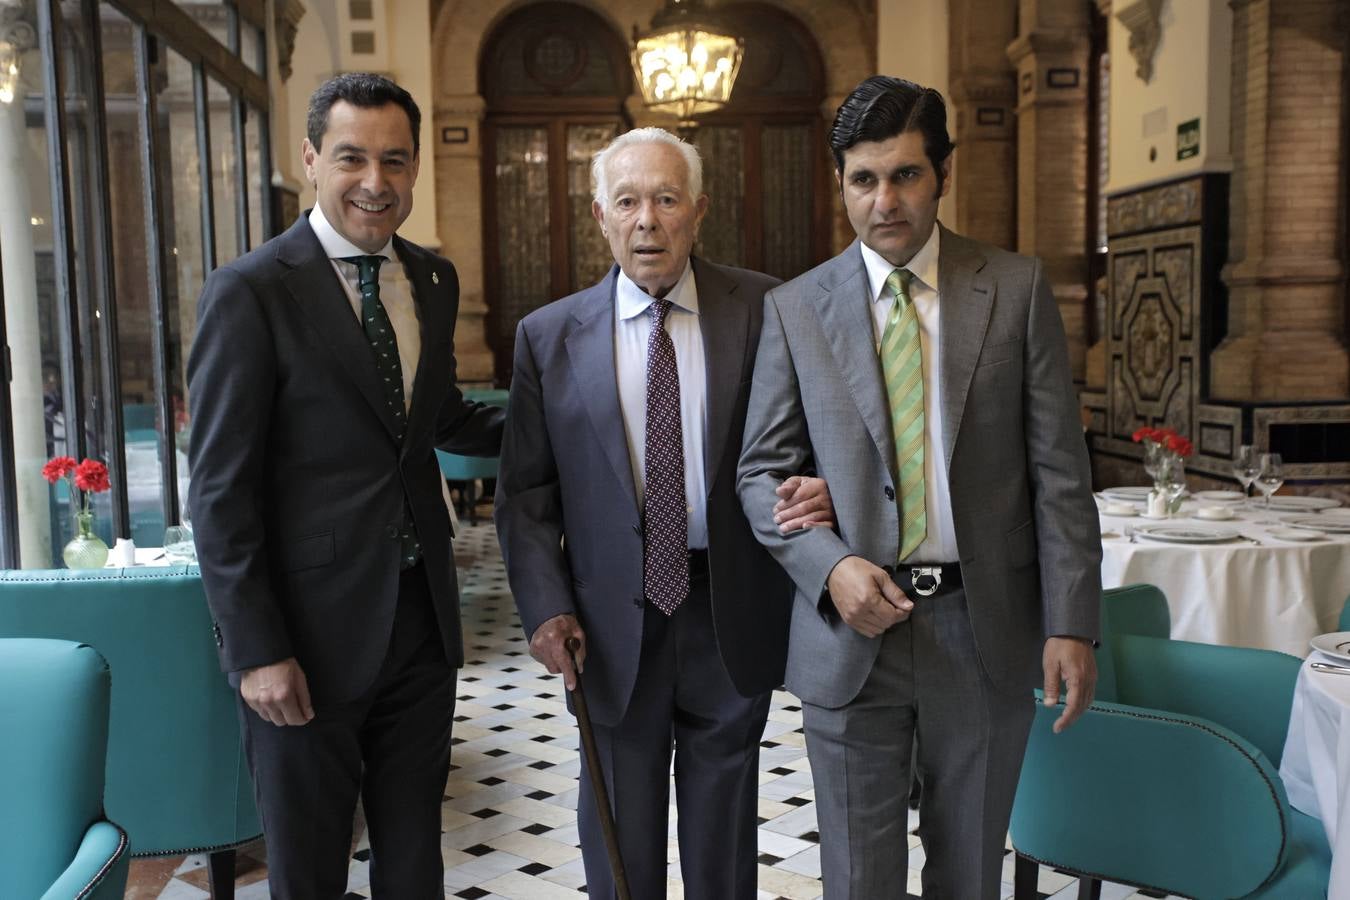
<point x="1234" y="571"/>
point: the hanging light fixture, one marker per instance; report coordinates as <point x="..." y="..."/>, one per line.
<point x="687" y="63"/>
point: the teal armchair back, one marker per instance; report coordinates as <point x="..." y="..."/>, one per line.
<point x="54" y="839"/>
<point x="177" y="779"/>
<point x="1170" y="780"/>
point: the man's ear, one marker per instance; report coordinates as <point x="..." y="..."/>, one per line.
<point x="946" y="172"/>
<point x="308" y="156"/>
<point x="599" y="212"/>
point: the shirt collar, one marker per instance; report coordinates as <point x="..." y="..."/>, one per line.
<point x="337" y="246"/>
<point x="923" y="265"/>
<point x="633" y="301"/>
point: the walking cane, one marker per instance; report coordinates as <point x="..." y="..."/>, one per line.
<point x="597" y="779"/>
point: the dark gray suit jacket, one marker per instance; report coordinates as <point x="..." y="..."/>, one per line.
<point x="567" y="513"/>
<point x="1016" y="460"/>
<point x="297" y="481"/>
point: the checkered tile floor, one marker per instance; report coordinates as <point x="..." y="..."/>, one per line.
<point x="509" y="814"/>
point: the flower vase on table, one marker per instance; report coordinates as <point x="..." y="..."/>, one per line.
<point x="1165" y="452"/>
<point x="86" y="550"/>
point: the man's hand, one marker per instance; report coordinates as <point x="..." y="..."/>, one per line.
<point x="548" y="645"/>
<point x="866" y="597"/>
<point x="1071" y="660"/>
<point x="803" y="503"/>
<point x="278" y="693"/>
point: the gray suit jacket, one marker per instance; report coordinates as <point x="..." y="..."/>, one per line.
<point x="1016" y="460"/>
<point x="567" y="512"/>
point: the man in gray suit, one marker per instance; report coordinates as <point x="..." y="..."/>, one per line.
<point x="926" y="378"/>
<point x="619" y="521"/>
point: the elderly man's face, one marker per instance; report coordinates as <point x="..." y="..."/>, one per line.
<point x="650" y="218"/>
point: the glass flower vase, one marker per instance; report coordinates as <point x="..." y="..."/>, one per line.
<point x="86" y="550"/>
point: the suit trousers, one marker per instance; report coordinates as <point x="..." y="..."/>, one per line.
<point x="927" y="698"/>
<point x="683" y="697"/>
<point x="391" y="746"/>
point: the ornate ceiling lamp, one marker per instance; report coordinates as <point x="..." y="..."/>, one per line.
<point x="688" y="61"/>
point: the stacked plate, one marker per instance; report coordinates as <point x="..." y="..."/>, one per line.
<point x="1187" y="534"/>
<point x="1219" y="496"/>
<point x="1128" y="494"/>
<point x="1336" y="644"/>
<point x="1324" y="524"/>
<point x="1295" y="503"/>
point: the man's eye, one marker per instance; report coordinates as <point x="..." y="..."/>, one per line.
<point x="862" y="179"/>
<point x="624" y="203"/>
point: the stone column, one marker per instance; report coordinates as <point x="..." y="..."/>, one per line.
<point x="1286" y="273"/>
<point x="1051" y="54"/>
<point x="982" y="120"/>
<point x="459" y="220"/>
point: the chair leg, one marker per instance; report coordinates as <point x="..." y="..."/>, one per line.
<point x="220" y="874"/>
<point x="1026" y="871"/>
<point x="1089" y="888"/>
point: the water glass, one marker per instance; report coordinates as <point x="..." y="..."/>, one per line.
<point x="178" y="545"/>
<point x="1271" y="476"/>
<point x="1246" y="466"/>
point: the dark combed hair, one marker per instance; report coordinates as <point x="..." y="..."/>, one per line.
<point x="364" y="90"/>
<point x="881" y="108"/>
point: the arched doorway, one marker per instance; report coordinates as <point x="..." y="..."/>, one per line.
<point x="554" y="77"/>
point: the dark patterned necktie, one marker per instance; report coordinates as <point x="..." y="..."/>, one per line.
<point x="665" y="535"/>
<point x="384" y="344"/>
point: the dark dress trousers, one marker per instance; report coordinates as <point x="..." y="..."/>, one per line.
<point x="297" y="495"/>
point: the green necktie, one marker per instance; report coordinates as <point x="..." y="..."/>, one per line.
<point x="384" y="344"/>
<point x="902" y="366"/>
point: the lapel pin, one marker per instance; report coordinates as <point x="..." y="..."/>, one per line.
<point x="435" y="279"/>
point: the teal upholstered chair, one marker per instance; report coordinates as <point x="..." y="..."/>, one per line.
<point x="54" y="840"/>
<point x="176" y="778"/>
<point x="469" y="470"/>
<point x="1170" y="780"/>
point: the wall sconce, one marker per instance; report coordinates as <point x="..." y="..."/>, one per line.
<point x="687" y="63"/>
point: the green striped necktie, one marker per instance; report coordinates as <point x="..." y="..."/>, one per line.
<point x="902" y="366"/>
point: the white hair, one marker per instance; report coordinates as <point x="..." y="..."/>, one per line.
<point x="600" y="163"/>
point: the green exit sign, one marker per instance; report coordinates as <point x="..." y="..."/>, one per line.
<point x="1188" y="139"/>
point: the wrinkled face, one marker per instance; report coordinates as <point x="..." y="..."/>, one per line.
<point x="649" y="217"/>
<point x="891" y="192"/>
<point x="364" y="174"/>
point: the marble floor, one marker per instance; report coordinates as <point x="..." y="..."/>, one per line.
<point x="509" y="822"/>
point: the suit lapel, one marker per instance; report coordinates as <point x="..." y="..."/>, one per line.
<point x="315" y="288"/>
<point x="843" y="306"/>
<point x="725" y="325"/>
<point x="966" y="301"/>
<point x="431" y="309"/>
<point x="590" y="349"/>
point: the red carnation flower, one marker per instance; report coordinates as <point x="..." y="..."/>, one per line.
<point x="58" y="467"/>
<point x="92" y="475"/>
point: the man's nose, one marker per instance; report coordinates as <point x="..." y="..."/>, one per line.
<point x="373" y="180"/>
<point x="888" y="197"/>
<point x="646" y="216"/>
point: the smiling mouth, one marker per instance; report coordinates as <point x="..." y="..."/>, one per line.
<point x="366" y="206"/>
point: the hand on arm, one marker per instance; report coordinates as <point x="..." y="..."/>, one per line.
<point x="1070" y="660"/>
<point x="867" y="599"/>
<point x="548" y="645"/>
<point x="278" y="693"/>
<point x="803" y="502"/>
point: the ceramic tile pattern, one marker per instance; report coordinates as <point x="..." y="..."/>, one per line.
<point x="509" y="814"/>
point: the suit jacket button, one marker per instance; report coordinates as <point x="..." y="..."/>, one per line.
<point x="637" y="601"/>
<point x="391" y="531"/>
<point x="215" y="630"/>
<point x="890" y="492"/>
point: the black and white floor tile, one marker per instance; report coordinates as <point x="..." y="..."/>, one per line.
<point x="509" y="813"/>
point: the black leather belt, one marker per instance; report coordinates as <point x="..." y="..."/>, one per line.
<point x="698" y="564"/>
<point x="927" y="579"/>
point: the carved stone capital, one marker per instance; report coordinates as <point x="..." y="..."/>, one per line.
<point x="1140" y="18"/>
<point x="286" y="17"/>
<point x="18" y="25"/>
<point x="460" y="106"/>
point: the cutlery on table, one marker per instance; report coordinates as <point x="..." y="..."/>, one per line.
<point x="1331" y="667"/>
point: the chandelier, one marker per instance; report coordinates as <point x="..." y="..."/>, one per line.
<point x="688" y="61"/>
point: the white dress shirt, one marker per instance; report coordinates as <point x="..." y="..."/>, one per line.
<point x="632" y="328"/>
<point x="395" y="293"/>
<point x="939" y="546"/>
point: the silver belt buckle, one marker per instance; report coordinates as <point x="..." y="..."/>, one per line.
<point x="933" y="572"/>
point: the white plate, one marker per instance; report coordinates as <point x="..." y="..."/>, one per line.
<point x="1120" y="510"/>
<point x="1186" y="534"/>
<point x="1294" y="503"/>
<point x="1219" y="496"/>
<point x="1225" y="518"/>
<point x="1295" y="534"/>
<point x="1325" y="524"/>
<point x="1129" y="494"/>
<point x="1336" y="644"/>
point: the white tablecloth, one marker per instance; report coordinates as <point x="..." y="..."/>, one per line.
<point x="1275" y="594"/>
<point x="1315" y="767"/>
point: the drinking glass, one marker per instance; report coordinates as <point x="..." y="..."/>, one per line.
<point x="1246" y="466"/>
<point x="1174" y="484"/>
<point x="178" y="544"/>
<point x="1271" y="476"/>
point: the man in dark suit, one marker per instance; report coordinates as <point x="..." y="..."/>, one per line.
<point x="617" y="515"/>
<point x="322" y="378"/>
<point x="926" y="378"/>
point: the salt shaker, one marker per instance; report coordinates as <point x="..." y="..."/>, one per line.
<point x="124" y="553"/>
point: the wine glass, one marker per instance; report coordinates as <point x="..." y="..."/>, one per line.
<point x="1174" y="484"/>
<point x="1246" y="466"/>
<point x="1271" y="477"/>
<point x="178" y="544"/>
<point x="1155" y="462"/>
